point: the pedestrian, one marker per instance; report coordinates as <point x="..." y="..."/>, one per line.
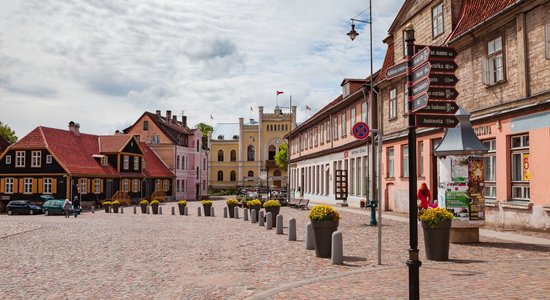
<point x="67" y="207"/>
<point x="76" y="202"/>
<point x="433" y="204"/>
<point x="424" y="196"/>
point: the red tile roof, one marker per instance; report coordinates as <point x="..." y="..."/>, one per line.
<point x="388" y="62"/>
<point x="113" y="143"/>
<point x="173" y="130"/>
<point x="154" y="167"/>
<point x="474" y="12"/>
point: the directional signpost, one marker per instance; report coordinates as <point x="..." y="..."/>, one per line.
<point x="396" y="70"/>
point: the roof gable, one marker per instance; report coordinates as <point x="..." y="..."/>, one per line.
<point x="154" y="166"/>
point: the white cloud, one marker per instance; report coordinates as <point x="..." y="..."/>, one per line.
<point x="102" y="63"/>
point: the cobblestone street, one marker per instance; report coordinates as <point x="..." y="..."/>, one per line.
<point x="104" y="256"/>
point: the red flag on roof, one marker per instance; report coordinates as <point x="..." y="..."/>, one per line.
<point x="278" y="93"/>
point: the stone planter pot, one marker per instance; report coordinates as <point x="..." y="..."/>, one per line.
<point x="437" y="240"/>
<point x="143" y="208"/>
<point x="274" y="212"/>
<point x="115" y="209"/>
<point x="206" y="209"/>
<point x="155" y="208"/>
<point x="231" y="209"/>
<point x="107" y="208"/>
<point x="257" y="208"/>
<point x="181" y="209"/>
<point x="322" y="237"/>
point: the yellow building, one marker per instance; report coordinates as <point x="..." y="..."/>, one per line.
<point x="243" y="154"/>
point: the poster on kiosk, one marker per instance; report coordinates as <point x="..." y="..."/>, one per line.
<point x="460" y="190"/>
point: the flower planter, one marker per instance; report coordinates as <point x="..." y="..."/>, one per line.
<point x="206" y="208"/>
<point x="437" y="240"/>
<point x="143" y="208"/>
<point x="274" y="212"/>
<point x="155" y="208"/>
<point x="107" y="208"/>
<point x="231" y="209"/>
<point x="115" y="209"/>
<point x="322" y="237"/>
<point x="181" y="209"/>
<point x="257" y="208"/>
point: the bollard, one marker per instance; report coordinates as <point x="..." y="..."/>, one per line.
<point x="186" y="211"/>
<point x="337" y="250"/>
<point x="292" y="229"/>
<point x="135" y="210"/>
<point x="160" y="210"/>
<point x="225" y="212"/>
<point x="147" y="209"/>
<point x="236" y="212"/>
<point x="199" y="211"/>
<point x="122" y="209"/>
<point x="309" y="237"/>
<point x="253" y="216"/>
<point x="212" y="211"/>
<point x="268" y="221"/>
<point x="261" y="218"/>
<point x="173" y="211"/>
<point x="111" y="209"/>
<point x="246" y="214"/>
<point x="93" y="209"/>
<point x="279" y="224"/>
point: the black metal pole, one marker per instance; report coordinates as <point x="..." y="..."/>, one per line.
<point x="413" y="262"/>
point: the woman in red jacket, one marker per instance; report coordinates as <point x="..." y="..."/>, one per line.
<point x="424" y="196"/>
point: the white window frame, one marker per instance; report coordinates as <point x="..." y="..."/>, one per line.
<point x="8" y="185"/>
<point x="519" y="184"/>
<point x="315" y="136"/>
<point x="364" y="109"/>
<point x="97" y="186"/>
<point x="344" y="125"/>
<point x="83" y="185"/>
<point x="335" y="132"/>
<point x="47" y="185"/>
<point x="135" y="186"/>
<point x="157" y="184"/>
<point x="27" y="185"/>
<point x="322" y="133"/>
<point x="391" y="161"/>
<point x="328" y="131"/>
<point x="490" y="169"/>
<point x="405" y="172"/>
<point x="494" y="65"/>
<point x="392" y="111"/>
<point x="136" y="163"/>
<point x="19" y="159"/>
<point x="166" y="185"/>
<point x="438" y="27"/>
<point x="36" y="159"/>
<point x="48" y="159"/>
<point x="352" y="119"/>
<point x="125" y="185"/>
<point x="126" y="162"/>
<point x="104" y="161"/>
<point x="8" y="159"/>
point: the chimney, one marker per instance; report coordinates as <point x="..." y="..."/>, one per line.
<point x="168" y="116"/>
<point x="175" y="119"/>
<point x="184" y="121"/>
<point x="158" y="113"/>
<point x="74" y="128"/>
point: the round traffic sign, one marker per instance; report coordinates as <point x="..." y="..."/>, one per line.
<point x="361" y="130"/>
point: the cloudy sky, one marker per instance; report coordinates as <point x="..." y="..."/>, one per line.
<point x="102" y="63"/>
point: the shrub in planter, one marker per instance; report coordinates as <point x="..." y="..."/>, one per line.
<point x="231" y="203"/>
<point x="206" y="205"/>
<point x="115" y="204"/>
<point x="143" y="203"/>
<point x="436" y="226"/>
<point x="181" y="206"/>
<point x="272" y="206"/>
<point x="324" y="220"/>
<point x="155" y="206"/>
<point x="254" y="204"/>
<point x="107" y="206"/>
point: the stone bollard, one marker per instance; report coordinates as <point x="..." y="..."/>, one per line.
<point x="292" y="229"/>
<point x="135" y="210"/>
<point x="236" y="210"/>
<point x="309" y="237"/>
<point x="268" y="221"/>
<point x="212" y="211"/>
<point x="261" y="218"/>
<point x="111" y="209"/>
<point x="246" y="214"/>
<point x="199" y="211"/>
<point x="173" y="211"/>
<point x="253" y="216"/>
<point x="225" y="212"/>
<point x="160" y="210"/>
<point x="93" y="209"/>
<point x="337" y="251"/>
<point x="122" y="209"/>
<point x="279" y="224"/>
<point x="186" y="211"/>
<point x="147" y="209"/>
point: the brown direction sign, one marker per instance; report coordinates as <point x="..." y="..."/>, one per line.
<point x="436" y="121"/>
<point x="396" y="70"/>
<point x="438" y="107"/>
<point x="442" y="80"/>
<point x="433" y="53"/>
<point x="442" y="93"/>
<point x="433" y="67"/>
<point x="420" y="102"/>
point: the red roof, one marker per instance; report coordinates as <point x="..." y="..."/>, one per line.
<point x="388" y="62"/>
<point x="154" y="167"/>
<point x="113" y="143"/>
<point x="474" y="12"/>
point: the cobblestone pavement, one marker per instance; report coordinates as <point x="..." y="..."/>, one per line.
<point x="106" y="256"/>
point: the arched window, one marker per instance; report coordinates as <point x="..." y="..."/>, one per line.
<point x="198" y="173"/>
<point x="233" y="176"/>
<point x="220" y="176"/>
<point x="233" y="155"/>
<point x="250" y="174"/>
<point x="178" y="162"/>
<point x="271" y="152"/>
<point x="220" y="155"/>
<point x="250" y="153"/>
<point x="198" y="145"/>
<point x="183" y="162"/>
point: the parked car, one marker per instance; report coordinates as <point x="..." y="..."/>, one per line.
<point x="22" y="207"/>
<point x="55" y="207"/>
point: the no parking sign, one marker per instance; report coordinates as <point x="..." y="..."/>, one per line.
<point x="361" y="130"/>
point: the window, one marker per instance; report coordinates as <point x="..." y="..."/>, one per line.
<point x="197" y="173"/>
<point x="183" y="167"/>
<point x="421" y="159"/>
<point x="83" y="185"/>
<point x="136" y="163"/>
<point x="157" y="185"/>
<point x="204" y="163"/>
<point x="390" y="162"/>
<point x="104" y="161"/>
<point x="8" y="159"/>
<point x="405" y="99"/>
<point x="232" y="176"/>
<point x="178" y="162"/>
<point x="183" y="185"/>
<point x="166" y="185"/>
<point x="328" y="131"/>
<point x="490" y="169"/>
<point x="36" y="160"/>
<point x="310" y="138"/>
<point x="519" y="147"/>
<point x="135" y="185"/>
<point x="547" y="41"/>
<point x="250" y="153"/>
<point x="233" y="157"/>
<point x="250" y="174"/>
<point x="27" y="186"/>
<point x="405" y="160"/>
<point x="48" y="159"/>
<point x="316" y="136"/>
<point x="47" y="186"/>
<point x="145" y="125"/>
<point x="220" y="155"/>
<point x="352" y="119"/>
<point x="125" y="185"/>
<point x="493" y="65"/>
<point x="97" y="186"/>
<point x="335" y="131"/>
<point x="220" y="175"/>
<point x="322" y="134"/>
<point x="8" y="186"/>
<point x="437" y="20"/>
<point x="19" y="158"/>
<point x="198" y="145"/>
<point x="271" y="152"/>
<point x="126" y="164"/>
<point x="344" y="125"/>
<point x="393" y="104"/>
<point x="155" y="139"/>
<point x="364" y="112"/>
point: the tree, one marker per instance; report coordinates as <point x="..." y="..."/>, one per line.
<point x="204" y="128"/>
<point x="7" y="133"/>
<point x="281" y="157"/>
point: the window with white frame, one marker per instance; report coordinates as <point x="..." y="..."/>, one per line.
<point x="352" y="120"/>
<point x="8" y="159"/>
<point x="344" y="125"/>
<point x="125" y="185"/>
<point x="547" y="41"/>
<point x="493" y="64"/>
<point x="83" y="185"/>
<point x="310" y="136"/>
<point x="47" y="185"/>
<point x="157" y="185"/>
<point x="521" y="176"/>
<point x="19" y="158"/>
<point x="97" y="186"/>
<point x="328" y="131"/>
<point x="421" y="159"/>
<point x="393" y="104"/>
<point x="36" y="159"/>
<point x="405" y="98"/>
<point x="136" y="163"/>
<point x="391" y="162"/>
<point x="166" y="185"/>
<point x="48" y="159"/>
<point x="183" y="186"/>
<point x="322" y="133"/>
<point x="126" y="164"/>
<point x="490" y="169"/>
<point x="315" y="136"/>
<point x="405" y="160"/>
<point x="335" y="131"/>
<point x="437" y="20"/>
<point x="8" y="186"/>
<point x="364" y="108"/>
<point x="155" y="139"/>
<point x="135" y="186"/>
<point x="27" y="186"/>
<point x="104" y="161"/>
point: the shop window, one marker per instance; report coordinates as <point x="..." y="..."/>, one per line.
<point x="490" y="170"/>
<point x="405" y="160"/>
<point x="521" y="176"/>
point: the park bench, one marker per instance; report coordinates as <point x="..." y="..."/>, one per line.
<point x="303" y="204"/>
<point x="294" y="202"/>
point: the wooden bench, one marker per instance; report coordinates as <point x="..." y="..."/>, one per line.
<point x="294" y="203"/>
<point x="303" y="204"/>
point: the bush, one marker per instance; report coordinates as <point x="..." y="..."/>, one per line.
<point x="182" y="202"/>
<point x="254" y="202"/>
<point x="433" y="216"/>
<point x="206" y="202"/>
<point x="232" y="202"/>
<point x="143" y="202"/>
<point x="115" y="203"/>
<point x="323" y="213"/>
<point x="272" y="203"/>
<point x="106" y="203"/>
<point x="155" y="202"/>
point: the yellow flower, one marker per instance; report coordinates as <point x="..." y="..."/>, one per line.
<point x="206" y="202"/>
<point x="435" y="215"/>
<point x="182" y="202"/>
<point x="323" y="213"/>
<point x="272" y="203"/>
<point x="232" y="202"/>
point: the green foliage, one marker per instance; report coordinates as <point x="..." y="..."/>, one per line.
<point x="182" y="202"/>
<point x="272" y="203"/>
<point x="204" y="128"/>
<point x="206" y="202"/>
<point x="155" y="202"/>
<point x="435" y="215"/>
<point x="7" y="133"/>
<point x="254" y="202"/>
<point x="232" y="202"/>
<point x="281" y="157"/>
<point x="223" y="192"/>
<point x="323" y="213"/>
<point x="143" y="202"/>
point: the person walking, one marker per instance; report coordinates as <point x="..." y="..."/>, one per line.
<point x="76" y="206"/>
<point x="67" y="207"/>
<point x="424" y="196"/>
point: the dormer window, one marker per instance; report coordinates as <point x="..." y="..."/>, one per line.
<point x="235" y="137"/>
<point x="220" y="137"/>
<point x="346" y="90"/>
<point x="104" y="161"/>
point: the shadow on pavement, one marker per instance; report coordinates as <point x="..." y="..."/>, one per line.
<point x="514" y="246"/>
